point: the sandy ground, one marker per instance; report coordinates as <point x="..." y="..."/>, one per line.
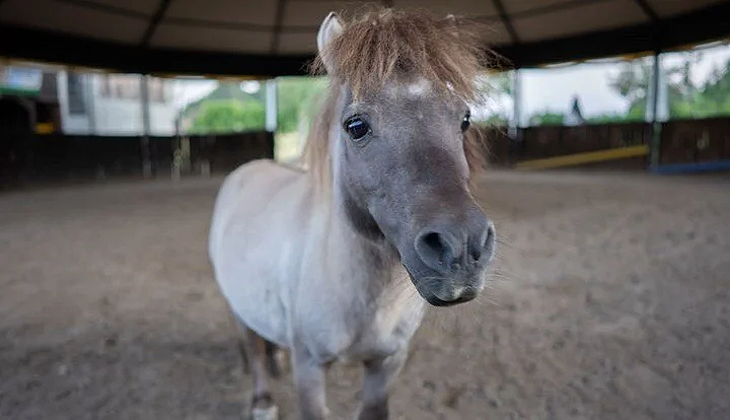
<point x="610" y="301"/>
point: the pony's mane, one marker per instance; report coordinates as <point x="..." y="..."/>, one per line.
<point x="382" y="45"/>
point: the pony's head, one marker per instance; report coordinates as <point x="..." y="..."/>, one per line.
<point x="401" y="151"/>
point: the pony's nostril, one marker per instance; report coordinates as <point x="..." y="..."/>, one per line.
<point x="489" y="242"/>
<point x="436" y="251"/>
<point x="433" y="241"/>
<point x="484" y="246"/>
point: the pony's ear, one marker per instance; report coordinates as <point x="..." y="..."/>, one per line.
<point x="330" y="28"/>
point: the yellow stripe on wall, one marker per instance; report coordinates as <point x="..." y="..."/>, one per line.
<point x="582" y="158"/>
<point x="44" y="128"/>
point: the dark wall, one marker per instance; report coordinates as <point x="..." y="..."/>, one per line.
<point x="551" y="141"/>
<point x="682" y="141"/>
<point x="226" y="152"/>
<point x="58" y="157"/>
<point x="695" y="141"/>
<point x="16" y="129"/>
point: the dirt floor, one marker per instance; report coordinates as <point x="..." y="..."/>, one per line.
<point x="611" y="300"/>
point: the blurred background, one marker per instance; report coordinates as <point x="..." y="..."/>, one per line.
<point x="608" y="143"/>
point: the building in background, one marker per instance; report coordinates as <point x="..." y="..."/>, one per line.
<point x="34" y="92"/>
<point x="112" y="104"/>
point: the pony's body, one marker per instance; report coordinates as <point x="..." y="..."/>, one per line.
<point x="291" y="269"/>
<point x="337" y="262"/>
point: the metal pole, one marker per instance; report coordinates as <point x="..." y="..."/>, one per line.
<point x="271" y="106"/>
<point x="145" y="141"/>
<point x="656" y="125"/>
<point x="516" y="122"/>
<point x="89" y="90"/>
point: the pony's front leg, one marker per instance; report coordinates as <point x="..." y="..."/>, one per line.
<point x="377" y="381"/>
<point x="309" y="378"/>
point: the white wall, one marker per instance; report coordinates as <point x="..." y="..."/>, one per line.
<point x="162" y="119"/>
<point x="113" y="116"/>
<point x="118" y="116"/>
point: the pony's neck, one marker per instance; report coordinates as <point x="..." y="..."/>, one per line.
<point x="372" y="265"/>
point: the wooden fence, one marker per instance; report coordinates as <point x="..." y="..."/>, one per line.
<point x="538" y="143"/>
<point x="685" y="145"/>
<point x="56" y="157"/>
<point x="695" y="141"/>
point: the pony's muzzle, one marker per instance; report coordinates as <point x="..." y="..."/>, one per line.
<point x="458" y="253"/>
<point x="450" y="248"/>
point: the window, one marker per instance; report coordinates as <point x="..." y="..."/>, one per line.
<point x="157" y="90"/>
<point x="105" y="88"/>
<point x="76" y="100"/>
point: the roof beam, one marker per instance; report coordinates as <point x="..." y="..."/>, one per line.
<point x="55" y="47"/>
<point x="506" y="21"/>
<point x="278" y="23"/>
<point x="155" y="22"/>
<point x="1" y="3"/>
<point x="648" y="10"/>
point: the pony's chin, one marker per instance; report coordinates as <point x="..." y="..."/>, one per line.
<point x="430" y="297"/>
<point x="434" y="301"/>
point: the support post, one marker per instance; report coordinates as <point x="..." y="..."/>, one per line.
<point x="656" y="125"/>
<point x="514" y="133"/>
<point x="271" y="106"/>
<point x="89" y="91"/>
<point x="145" y="141"/>
<point x="516" y="121"/>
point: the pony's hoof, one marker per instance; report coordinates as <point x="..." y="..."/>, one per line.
<point x="263" y="408"/>
<point x="269" y="413"/>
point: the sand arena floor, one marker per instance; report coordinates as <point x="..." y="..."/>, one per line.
<point x="611" y="300"/>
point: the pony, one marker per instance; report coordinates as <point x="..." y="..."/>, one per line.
<point x="339" y="257"/>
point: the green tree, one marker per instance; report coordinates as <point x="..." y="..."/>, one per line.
<point x="228" y="116"/>
<point x="297" y="100"/>
<point x="495" y="120"/>
<point x="685" y="99"/>
<point x="547" y="118"/>
<point x="494" y="86"/>
<point x="607" y="119"/>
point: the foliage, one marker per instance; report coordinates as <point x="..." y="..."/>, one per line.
<point x="606" y="118"/>
<point x="298" y="100"/>
<point x="494" y="86"/>
<point x="224" y="91"/>
<point x="685" y="99"/>
<point x="228" y="109"/>
<point x="547" y="118"/>
<point x="227" y="115"/>
<point x="495" y="120"/>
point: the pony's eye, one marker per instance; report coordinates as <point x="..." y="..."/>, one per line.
<point x="357" y="128"/>
<point x="465" y="122"/>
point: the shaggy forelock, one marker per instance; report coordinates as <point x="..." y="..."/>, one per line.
<point x="384" y="44"/>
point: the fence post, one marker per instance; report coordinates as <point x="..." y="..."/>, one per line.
<point x="145" y="141"/>
<point x="657" y="91"/>
<point x="515" y="133"/>
<point x="271" y="107"/>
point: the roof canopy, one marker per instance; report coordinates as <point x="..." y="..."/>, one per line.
<point x="277" y="37"/>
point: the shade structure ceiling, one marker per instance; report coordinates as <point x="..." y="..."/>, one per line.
<point x="265" y="38"/>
